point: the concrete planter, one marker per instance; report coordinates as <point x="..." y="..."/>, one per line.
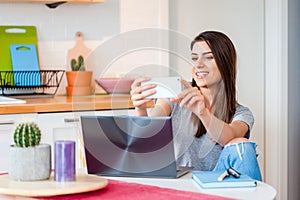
<point x="30" y="163"/>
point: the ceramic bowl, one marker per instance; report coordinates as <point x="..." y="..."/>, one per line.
<point x="115" y="85"/>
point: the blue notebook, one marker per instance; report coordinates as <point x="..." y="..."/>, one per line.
<point x="209" y="179"/>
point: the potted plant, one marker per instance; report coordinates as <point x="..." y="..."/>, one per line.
<point x="79" y="80"/>
<point x="29" y="160"/>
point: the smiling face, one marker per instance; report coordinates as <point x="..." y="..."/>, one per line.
<point x="204" y="70"/>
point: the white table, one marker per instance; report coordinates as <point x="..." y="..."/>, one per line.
<point x="262" y="191"/>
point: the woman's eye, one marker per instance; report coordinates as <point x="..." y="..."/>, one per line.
<point x="211" y="57"/>
<point x="194" y="58"/>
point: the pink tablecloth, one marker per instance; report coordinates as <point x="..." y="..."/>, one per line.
<point x="125" y="191"/>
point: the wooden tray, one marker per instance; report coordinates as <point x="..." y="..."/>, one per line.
<point x="83" y="183"/>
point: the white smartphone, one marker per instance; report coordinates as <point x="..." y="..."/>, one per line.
<point x="166" y="87"/>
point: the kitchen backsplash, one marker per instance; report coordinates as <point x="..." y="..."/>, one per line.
<point x="98" y="22"/>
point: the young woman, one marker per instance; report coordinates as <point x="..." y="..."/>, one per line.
<point x="211" y="129"/>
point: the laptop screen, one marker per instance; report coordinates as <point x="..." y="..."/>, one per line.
<point x="129" y="146"/>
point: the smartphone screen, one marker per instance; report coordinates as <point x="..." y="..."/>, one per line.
<point x="166" y="87"/>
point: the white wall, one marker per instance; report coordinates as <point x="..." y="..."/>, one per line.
<point x="276" y="95"/>
<point x="57" y="27"/>
<point x="100" y="24"/>
<point x="141" y="23"/>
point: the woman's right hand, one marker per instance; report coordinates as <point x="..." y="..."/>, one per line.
<point x="140" y="93"/>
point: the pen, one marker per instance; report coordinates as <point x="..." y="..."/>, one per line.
<point x="233" y="172"/>
<point x="223" y="175"/>
<point x="228" y="172"/>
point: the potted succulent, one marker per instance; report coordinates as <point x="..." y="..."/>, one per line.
<point x="79" y="80"/>
<point x="29" y="160"/>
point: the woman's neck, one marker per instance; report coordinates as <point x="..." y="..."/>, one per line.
<point x="209" y="94"/>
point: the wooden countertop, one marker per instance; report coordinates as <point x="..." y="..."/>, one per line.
<point x="69" y="103"/>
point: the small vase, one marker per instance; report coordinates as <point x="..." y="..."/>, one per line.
<point x="79" y="78"/>
<point x="30" y="163"/>
<point x="79" y="91"/>
<point x="79" y="82"/>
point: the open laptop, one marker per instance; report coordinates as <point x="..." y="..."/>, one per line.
<point x="130" y="146"/>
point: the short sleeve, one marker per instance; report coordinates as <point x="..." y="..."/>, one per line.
<point x="244" y="114"/>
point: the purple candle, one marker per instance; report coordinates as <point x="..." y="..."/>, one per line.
<point x="64" y="160"/>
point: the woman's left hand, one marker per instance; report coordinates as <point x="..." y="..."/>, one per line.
<point x="191" y="98"/>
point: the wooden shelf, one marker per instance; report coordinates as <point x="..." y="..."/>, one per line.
<point x="52" y="3"/>
<point x="61" y="103"/>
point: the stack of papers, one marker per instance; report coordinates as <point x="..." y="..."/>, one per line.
<point x="209" y="179"/>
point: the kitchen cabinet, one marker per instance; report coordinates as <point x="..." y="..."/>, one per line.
<point x="59" y="126"/>
<point x="54" y="126"/>
<point x="8" y="124"/>
<point x="59" y="115"/>
<point x="67" y="126"/>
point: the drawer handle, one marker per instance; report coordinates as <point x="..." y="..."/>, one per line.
<point x="69" y="120"/>
<point x="7" y="122"/>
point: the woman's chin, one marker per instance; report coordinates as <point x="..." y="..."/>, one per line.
<point x="200" y="82"/>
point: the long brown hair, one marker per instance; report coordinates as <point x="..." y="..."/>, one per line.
<point x="223" y="50"/>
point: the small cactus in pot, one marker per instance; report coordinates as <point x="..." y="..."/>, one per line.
<point x="78" y="65"/>
<point x="29" y="160"/>
<point x="27" y="134"/>
<point x="79" y="79"/>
